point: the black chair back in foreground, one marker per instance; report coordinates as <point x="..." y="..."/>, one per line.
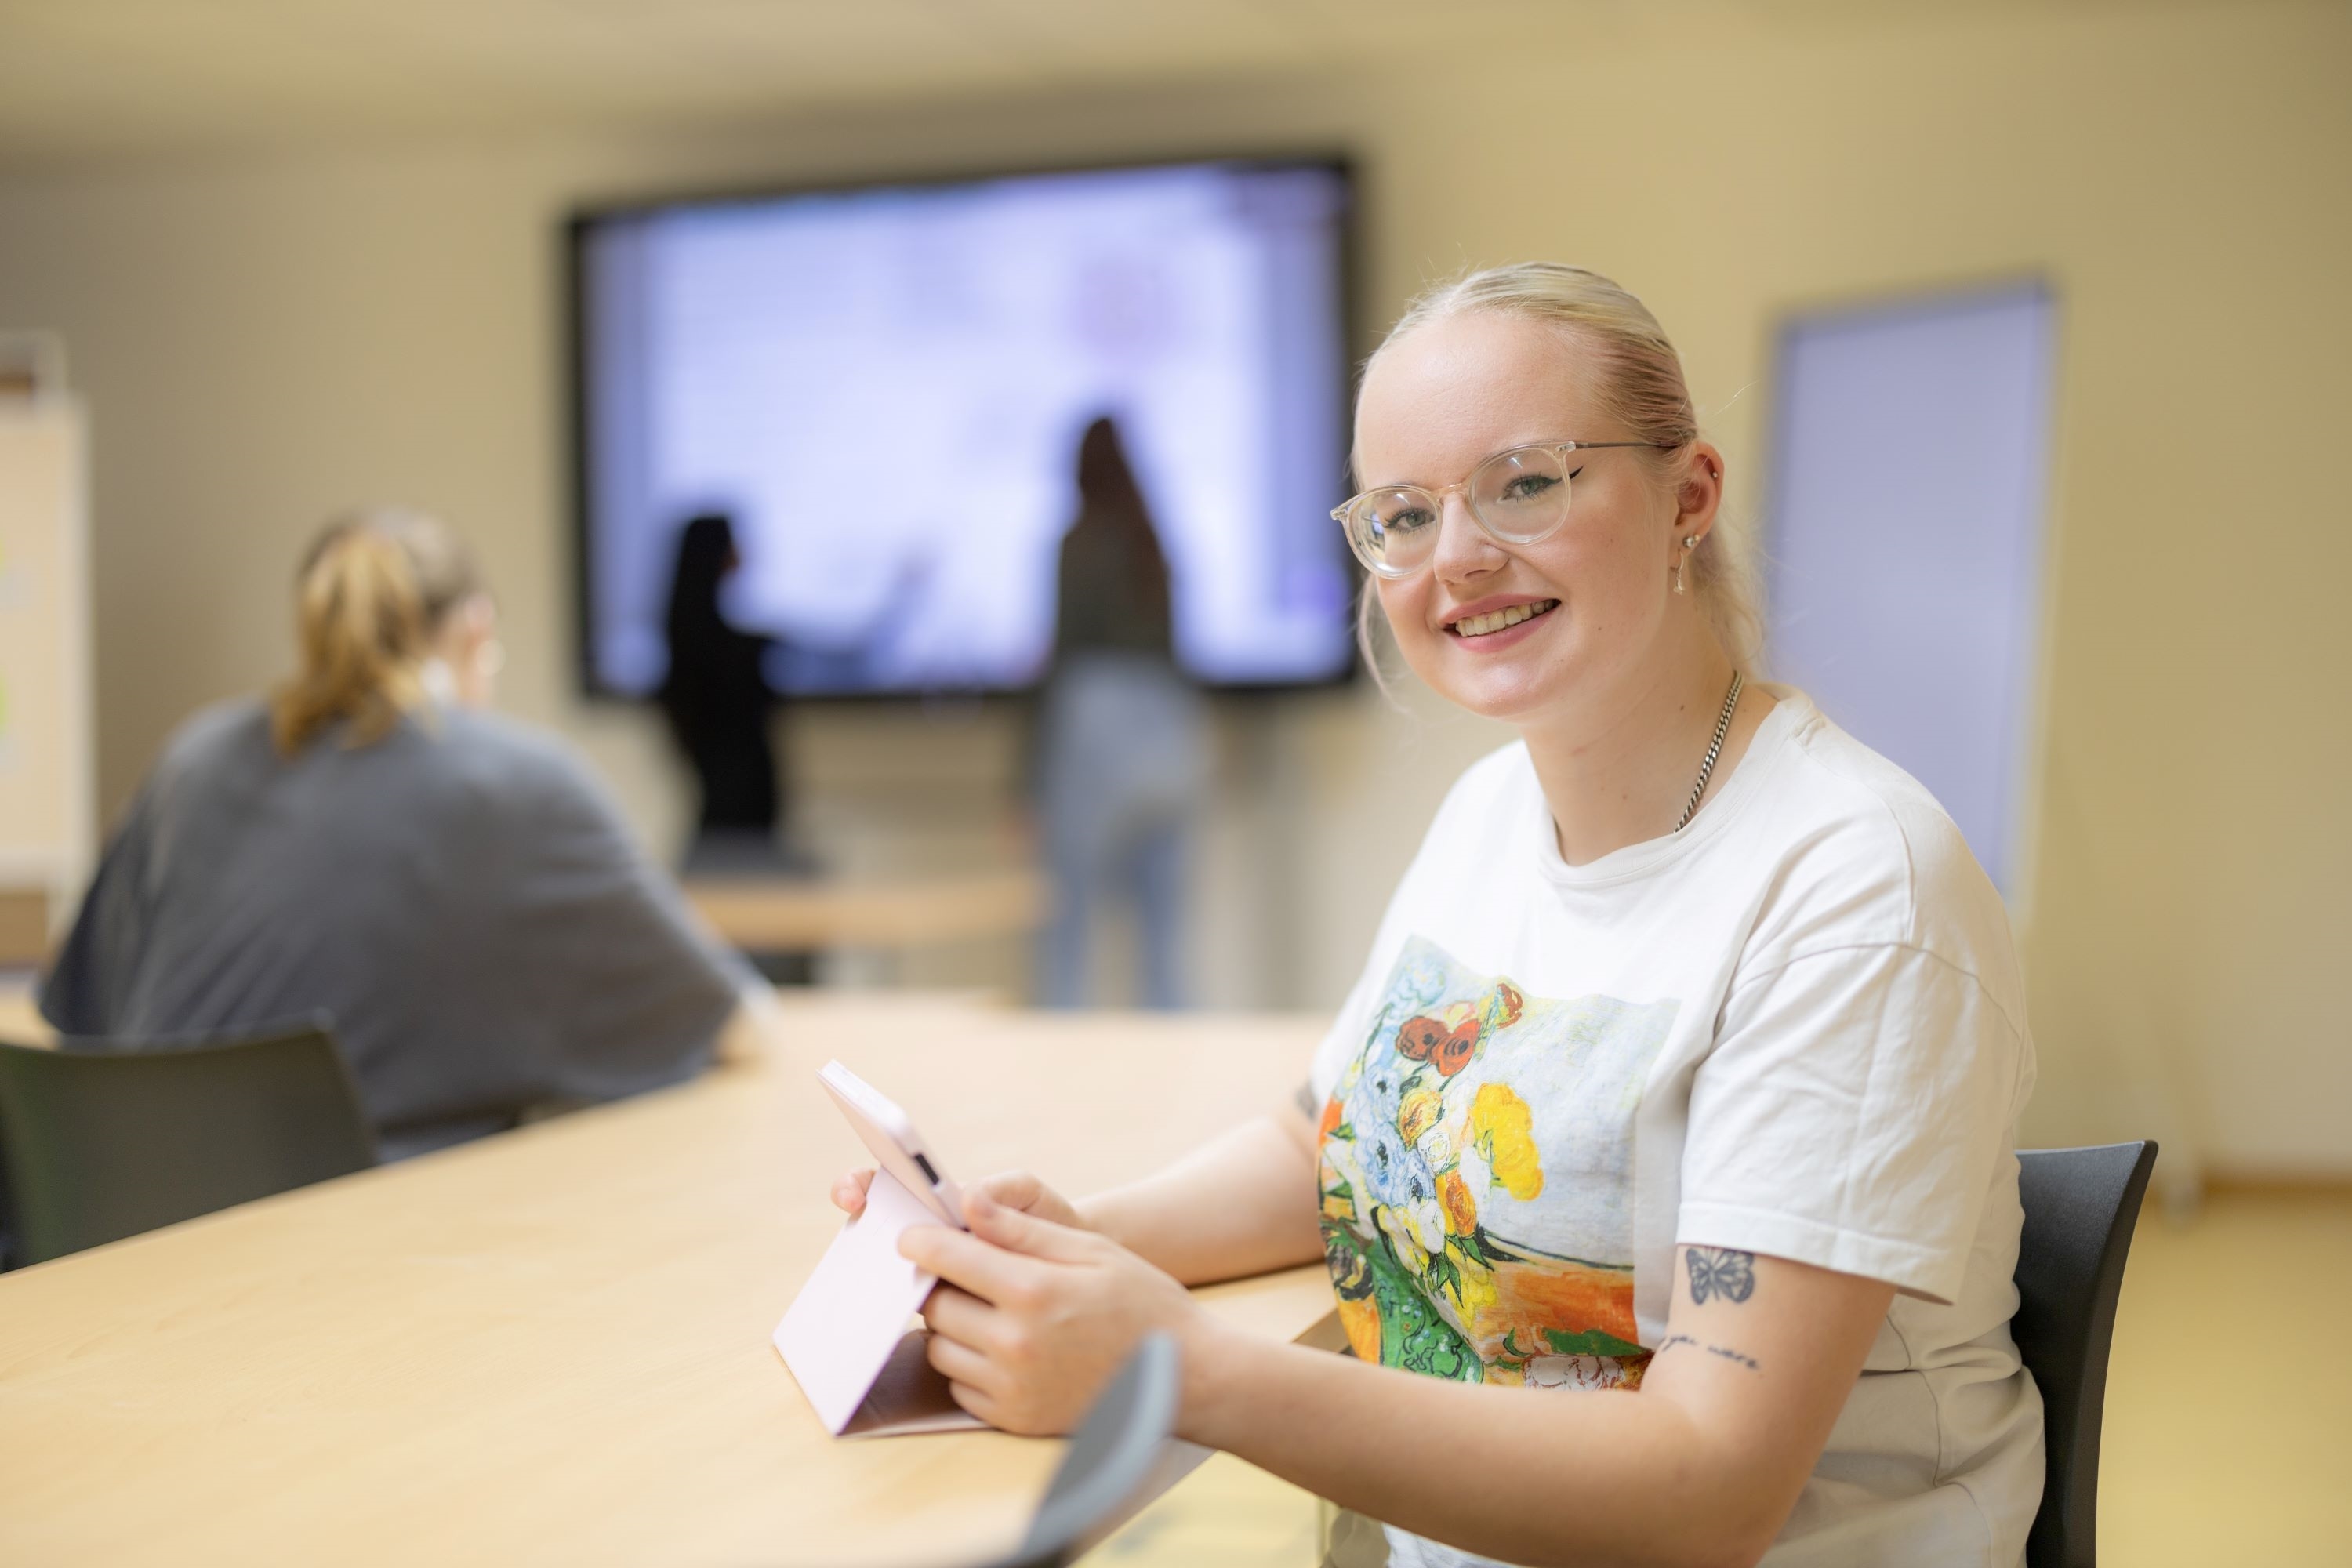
<point x="2080" y="1207"/>
<point x="106" y="1141"/>
<point x="1117" y="1456"/>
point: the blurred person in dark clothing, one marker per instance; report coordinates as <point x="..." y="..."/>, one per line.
<point x="453" y="889"/>
<point x="1122" y="738"/>
<point x="719" y="703"/>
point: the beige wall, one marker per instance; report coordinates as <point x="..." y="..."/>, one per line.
<point x="265" y="340"/>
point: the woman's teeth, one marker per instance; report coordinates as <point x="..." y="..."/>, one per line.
<point x="1496" y="620"/>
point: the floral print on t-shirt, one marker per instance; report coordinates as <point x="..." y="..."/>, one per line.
<point x="1476" y="1179"/>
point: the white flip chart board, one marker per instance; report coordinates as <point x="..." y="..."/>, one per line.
<point x="1907" y="540"/>
<point x="45" y="807"/>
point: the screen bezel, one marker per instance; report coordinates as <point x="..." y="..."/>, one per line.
<point x="580" y="221"/>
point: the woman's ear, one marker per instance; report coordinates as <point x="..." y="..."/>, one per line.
<point x="1699" y="490"/>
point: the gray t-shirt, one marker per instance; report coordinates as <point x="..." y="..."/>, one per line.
<point x="461" y="898"/>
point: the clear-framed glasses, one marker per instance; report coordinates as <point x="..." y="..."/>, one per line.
<point x="1519" y="497"/>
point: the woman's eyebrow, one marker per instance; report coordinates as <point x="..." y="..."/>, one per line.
<point x="1365" y="484"/>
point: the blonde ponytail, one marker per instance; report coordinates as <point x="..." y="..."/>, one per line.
<point x="373" y="589"/>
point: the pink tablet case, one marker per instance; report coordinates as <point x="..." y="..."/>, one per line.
<point x="845" y="1327"/>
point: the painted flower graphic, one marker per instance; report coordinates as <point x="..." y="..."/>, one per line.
<point x="1455" y="1051"/>
<point x="1434" y="1154"/>
<point x="1351" y="1269"/>
<point x="1417" y="1037"/>
<point x="1503" y="1007"/>
<point x="1377" y="1095"/>
<point x="1461" y="1209"/>
<point x="1502" y="1129"/>
<point x="1396" y="1176"/>
<point x="1423" y="1104"/>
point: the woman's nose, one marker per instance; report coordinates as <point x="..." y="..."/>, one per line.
<point x="1464" y="548"/>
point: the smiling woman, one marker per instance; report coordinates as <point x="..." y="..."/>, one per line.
<point x="1523" y="495"/>
<point x="1680" y="1084"/>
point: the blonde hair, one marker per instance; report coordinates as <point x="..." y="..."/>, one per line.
<point x="373" y="589"/>
<point x="1642" y="386"/>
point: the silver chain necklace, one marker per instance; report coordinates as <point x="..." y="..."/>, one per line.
<point x="1714" y="749"/>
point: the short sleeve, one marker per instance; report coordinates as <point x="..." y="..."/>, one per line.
<point x="628" y="991"/>
<point x="1851" y="1116"/>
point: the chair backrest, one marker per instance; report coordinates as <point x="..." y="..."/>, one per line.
<point x="1113" y="1459"/>
<point x="103" y="1140"/>
<point x="2080" y="1207"/>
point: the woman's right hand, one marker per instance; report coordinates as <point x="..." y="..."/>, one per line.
<point x="1013" y="1189"/>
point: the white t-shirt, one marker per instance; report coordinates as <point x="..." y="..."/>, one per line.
<point x="1797" y="1028"/>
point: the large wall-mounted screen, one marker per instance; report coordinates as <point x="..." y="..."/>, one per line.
<point x="885" y="390"/>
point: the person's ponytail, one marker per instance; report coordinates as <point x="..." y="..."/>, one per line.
<point x="372" y="590"/>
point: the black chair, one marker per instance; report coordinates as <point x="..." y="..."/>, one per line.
<point x="103" y="1140"/>
<point x="2080" y="1207"/>
<point x="1118" y="1457"/>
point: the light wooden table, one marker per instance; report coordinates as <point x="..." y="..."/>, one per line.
<point x="552" y="1346"/>
<point x="787" y="915"/>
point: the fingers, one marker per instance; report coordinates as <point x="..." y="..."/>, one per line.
<point x="1025" y="1232"/>
<point x="1013" y="1189"/>
<point x="961" y="1363"/>
<point x="849" y="1192"/>
<point x="989" y="1271"/>
<point x="976" y="1401"/>
<point x="962" y="1317"/>
<point x="1019" y="1190"/>
<point x="960" y="1348"/>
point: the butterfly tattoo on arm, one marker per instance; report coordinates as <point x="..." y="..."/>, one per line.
<point x="1720" y="1271"/>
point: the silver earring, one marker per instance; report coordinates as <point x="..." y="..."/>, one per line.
<point x="1690" y="542"/>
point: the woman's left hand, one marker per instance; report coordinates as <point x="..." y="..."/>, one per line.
<point x="1031" y="1319"/>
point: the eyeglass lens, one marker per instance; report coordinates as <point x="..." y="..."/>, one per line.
<point x="1519" y="497"/>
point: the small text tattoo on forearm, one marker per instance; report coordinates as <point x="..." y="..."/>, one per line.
<point x="1719" y="1271"/>
<point x="1747" y="1360"/>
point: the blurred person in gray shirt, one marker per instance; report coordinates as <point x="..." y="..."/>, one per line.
<point x="451" y="888"/>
